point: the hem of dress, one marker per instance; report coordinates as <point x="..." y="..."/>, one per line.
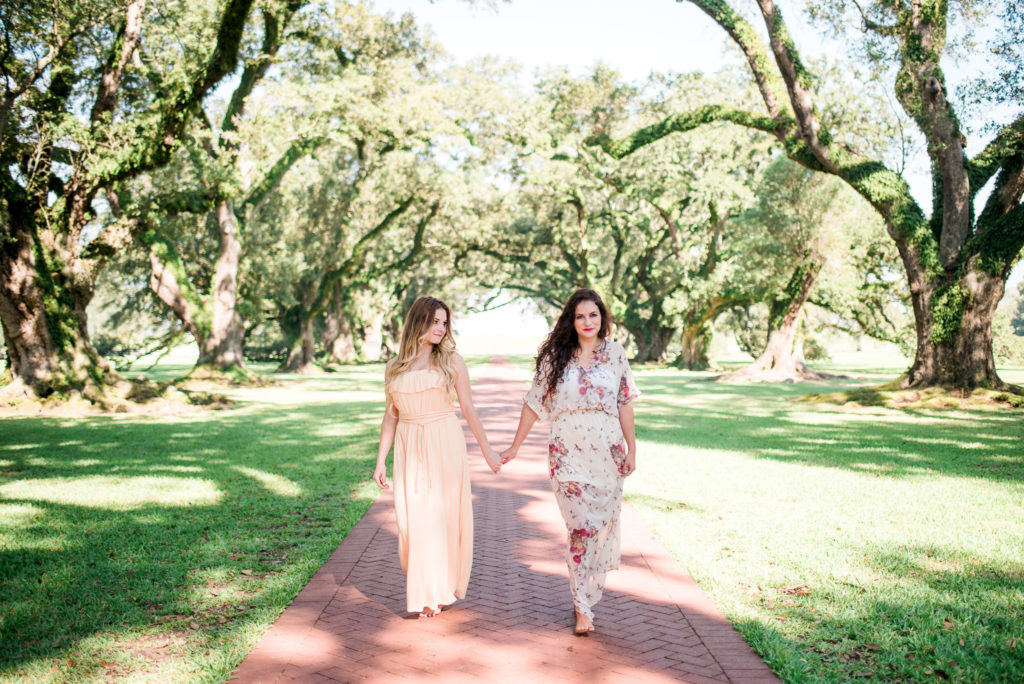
<point x="437" y="606"/>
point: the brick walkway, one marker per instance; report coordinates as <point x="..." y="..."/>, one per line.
<point x="515" y="625"/>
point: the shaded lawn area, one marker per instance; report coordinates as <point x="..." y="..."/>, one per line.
<point x="162" y="548"/>
<point x="844" y="543"/>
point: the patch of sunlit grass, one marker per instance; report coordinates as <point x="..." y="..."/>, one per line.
<point x="161" y="548"/>
<point x="852" y="543"/>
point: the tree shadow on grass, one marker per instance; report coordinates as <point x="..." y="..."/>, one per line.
<point x="199" y="526"/>
<point x="762" y="421"/>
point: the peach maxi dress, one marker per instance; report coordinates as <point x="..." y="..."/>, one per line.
<point x="433" y="508"/>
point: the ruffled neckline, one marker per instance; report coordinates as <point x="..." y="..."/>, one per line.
<point x="419" y="380"/>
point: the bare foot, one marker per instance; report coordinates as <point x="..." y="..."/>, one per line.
<point x="584" y="625"/>
<point x="429" y="612"/>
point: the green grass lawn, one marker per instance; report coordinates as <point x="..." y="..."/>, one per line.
<point x="844" y="543"/>
<point x="160" y="549"/>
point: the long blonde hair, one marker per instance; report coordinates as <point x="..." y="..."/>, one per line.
<point x="417" y="324"/>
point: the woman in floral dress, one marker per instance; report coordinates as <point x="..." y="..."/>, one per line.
<point x="584" y="386"/>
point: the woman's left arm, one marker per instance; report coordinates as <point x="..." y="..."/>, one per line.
<point x="465" y="395"/>
<point x="627" y="393"/>
<point x="629" y="432"/>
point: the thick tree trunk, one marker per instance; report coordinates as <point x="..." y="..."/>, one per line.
<point x="780" y="361"/>
<point x="301" y="353"/>
<point x="954" y="330"/>
<point x="696" y="334"/>
<point x="223" y="348"/>
<point x="338" y="336"/>
<point x="694" y="352"/>
<point x="44" y="322"/>
<point x="652" y="343"/>
<point x="339" y="339"/>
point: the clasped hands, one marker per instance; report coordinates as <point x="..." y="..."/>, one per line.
<point x="496" y="460"/>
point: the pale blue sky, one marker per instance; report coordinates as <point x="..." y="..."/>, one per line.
<point x="635" y="37"/>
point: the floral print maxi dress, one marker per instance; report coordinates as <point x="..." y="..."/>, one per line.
<point x="586" y="457"/>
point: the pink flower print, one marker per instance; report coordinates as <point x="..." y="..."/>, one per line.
<point x="619" y="456"/>
<point x="556" y="450"/>
<point x="578" y="543"/>
<point x="624" y="393"/>
<point x="573" y="489"/>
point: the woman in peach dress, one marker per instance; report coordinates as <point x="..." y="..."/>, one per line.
<point x="433" y="508"/>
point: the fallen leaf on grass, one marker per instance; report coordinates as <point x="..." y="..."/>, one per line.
<point x="796" y="590"/>
<point x="947" y="624"/>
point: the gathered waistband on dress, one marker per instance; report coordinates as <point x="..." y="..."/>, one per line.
<point x="416" y="422"/>
<point x="427" y="418"/>
<point x="572" y="411"/>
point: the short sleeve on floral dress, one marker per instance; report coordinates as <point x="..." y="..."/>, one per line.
<point x="586" y="458"/>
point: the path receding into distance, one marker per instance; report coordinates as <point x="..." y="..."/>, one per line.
<point x="654" y="624"/>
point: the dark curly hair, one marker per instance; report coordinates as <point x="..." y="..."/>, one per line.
<point x="562" y="342"/>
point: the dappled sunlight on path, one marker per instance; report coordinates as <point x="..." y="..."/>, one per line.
<point x="515" y="625"/>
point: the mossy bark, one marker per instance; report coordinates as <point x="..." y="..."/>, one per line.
<point x="954" y="346"/>
<point x="651" y="341"/>
<point x="47" y="276"/>
<point x="42" y="310"/>
<point x="693" y="353"/>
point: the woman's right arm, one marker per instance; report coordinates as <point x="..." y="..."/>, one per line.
<point x="527" y="417"/>
<point x="388" y="426"/>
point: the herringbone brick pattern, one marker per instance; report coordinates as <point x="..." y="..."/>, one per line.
<point x="653" y="625"/>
